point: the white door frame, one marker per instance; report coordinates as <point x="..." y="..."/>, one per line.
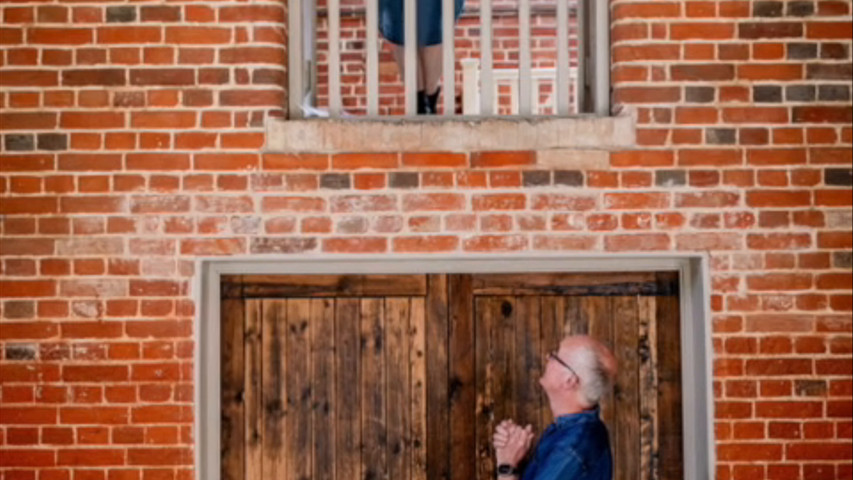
<point x="695" y="315"/>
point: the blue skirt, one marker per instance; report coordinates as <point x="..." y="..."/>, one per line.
<point x="429" y="21"/>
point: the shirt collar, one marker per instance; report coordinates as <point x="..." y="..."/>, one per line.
<point x="575" y="418"/>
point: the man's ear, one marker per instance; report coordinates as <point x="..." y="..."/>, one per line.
<point x="570" y="383"/>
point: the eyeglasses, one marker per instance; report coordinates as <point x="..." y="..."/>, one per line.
<point x="559" y="360"/>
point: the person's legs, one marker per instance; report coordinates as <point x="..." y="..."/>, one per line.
<point x="400" y="58"/>
<point x="430" y="59"/>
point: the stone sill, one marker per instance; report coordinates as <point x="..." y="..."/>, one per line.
<point x="459" y="134"/>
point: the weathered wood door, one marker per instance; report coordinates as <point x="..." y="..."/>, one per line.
<point x="404" y="377"/>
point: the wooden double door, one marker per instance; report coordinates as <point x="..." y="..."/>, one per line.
<point x="404" y="377"/>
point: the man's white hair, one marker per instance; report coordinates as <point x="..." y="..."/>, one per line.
<point x="595" y="379"/>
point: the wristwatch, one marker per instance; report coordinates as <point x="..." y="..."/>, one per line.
<point x="507" y="470"/>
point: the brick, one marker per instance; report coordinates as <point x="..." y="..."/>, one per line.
<point x="829" y="30"/>
<point x="776" y="157"/>
<point x="403" y="180"/>
<point x="700" y="94"/>
<point x="121" y="14"/>
<point x="355" y="245"/>
<point x="253" y="55"/>
<point x="433" y="202"/>
<point x="426" y="244"/>
<point x="163" y="120"/>
<point x="129" y="35"/>
<point x="220" y="246"/>
<point x="434" y="160"/>
<point x="562" y="202"/>
<point x="158" y="13"/>
<point x="701" y="31"/>
<point x="647" y="10"/>
<point x="495" y="243"/>
<point x="52" y="141"/>
<point x="702" y="72"/>
<point x="363" y="203"/>
<point x="766" y="93"/>
<point x="570" y="178"/>
<point x="842" y="177"/>
<point x="802" y="51"/>
<point x="767" y="9"/>
<point x="826" y="155"/>
<point x="27" y="121"/>
<point x="92" y="457"/>
<point x="818" y="451"/>
<point x="502" y="159"/>
<point x="800" y="9"/>
<point x="355" y="161"/>
<point x="756" y="115"/>
<point x="91" y="120"/>
<point x="282" y="245"/>
<point x="336" y="181"/>
<point x="499" y="202"/>
<point x="637" y="242"/>
<point x="225" y="161"/>
<point x="18" y="143"/>
<point x="834" y="92"/>
<point x="753" y="31"/>
<point x="163" y="77"/>
<point x="834" y="51"/>
<point x="94" y="415"/>
<point x="705" y="157"/>
<point x="159" y="456"/>
<point x="829" y="72"/>
<point x="198" y="35"/>
<point x="800" y="93"/>
<point x="642" y="158"/>
<point x="59" y="36"/>
<point x="29" y="78"/>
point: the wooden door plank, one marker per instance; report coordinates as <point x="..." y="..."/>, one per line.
<point x="526" y="361"/>
<point x="438" y="407"/>
<point x="626" y="441"/>
<point x="648" y="388"/>
<point x="299" y="395"/>
<point x="463" y="392"/>
<point x="564" y="283"/>
<point x="397" y="313"/>
<point x="322" y="333"/>
<point x="373" y="384"/>
<point x="596" y="313"/>
<point x="274" y="340"/>
<point x="485" y="321"/>
<point x="348" y="388"/>
<point x="575" y="321"/>
<point x="293" y="286"/>
<point x="418" y="368"/>
<point x="553" y="311"/>
<point x="253" y="391"/>
<point x="231" y="387"/>
<point x="669" y="388"/>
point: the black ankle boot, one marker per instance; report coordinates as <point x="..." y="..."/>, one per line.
<point x="432" y="102"/>
<point x="422" y="102"/>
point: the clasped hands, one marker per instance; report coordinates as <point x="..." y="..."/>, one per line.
<point x="511" y="442"/>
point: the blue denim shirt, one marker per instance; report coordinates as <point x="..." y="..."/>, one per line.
<point x="574" y="447"/>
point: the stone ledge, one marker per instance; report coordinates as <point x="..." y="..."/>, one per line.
<point x="454" y="135"/>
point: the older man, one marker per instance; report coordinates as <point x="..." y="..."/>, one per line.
<point x="576" y="446"/>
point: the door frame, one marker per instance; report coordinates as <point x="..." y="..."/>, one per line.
<point x="694" y="295"/>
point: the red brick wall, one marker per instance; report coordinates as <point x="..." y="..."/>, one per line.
<point x="130" y="137"/>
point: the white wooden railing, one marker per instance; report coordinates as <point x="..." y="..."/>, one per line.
<point x="481" y="78"/>
<point x="472" y="94"/>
